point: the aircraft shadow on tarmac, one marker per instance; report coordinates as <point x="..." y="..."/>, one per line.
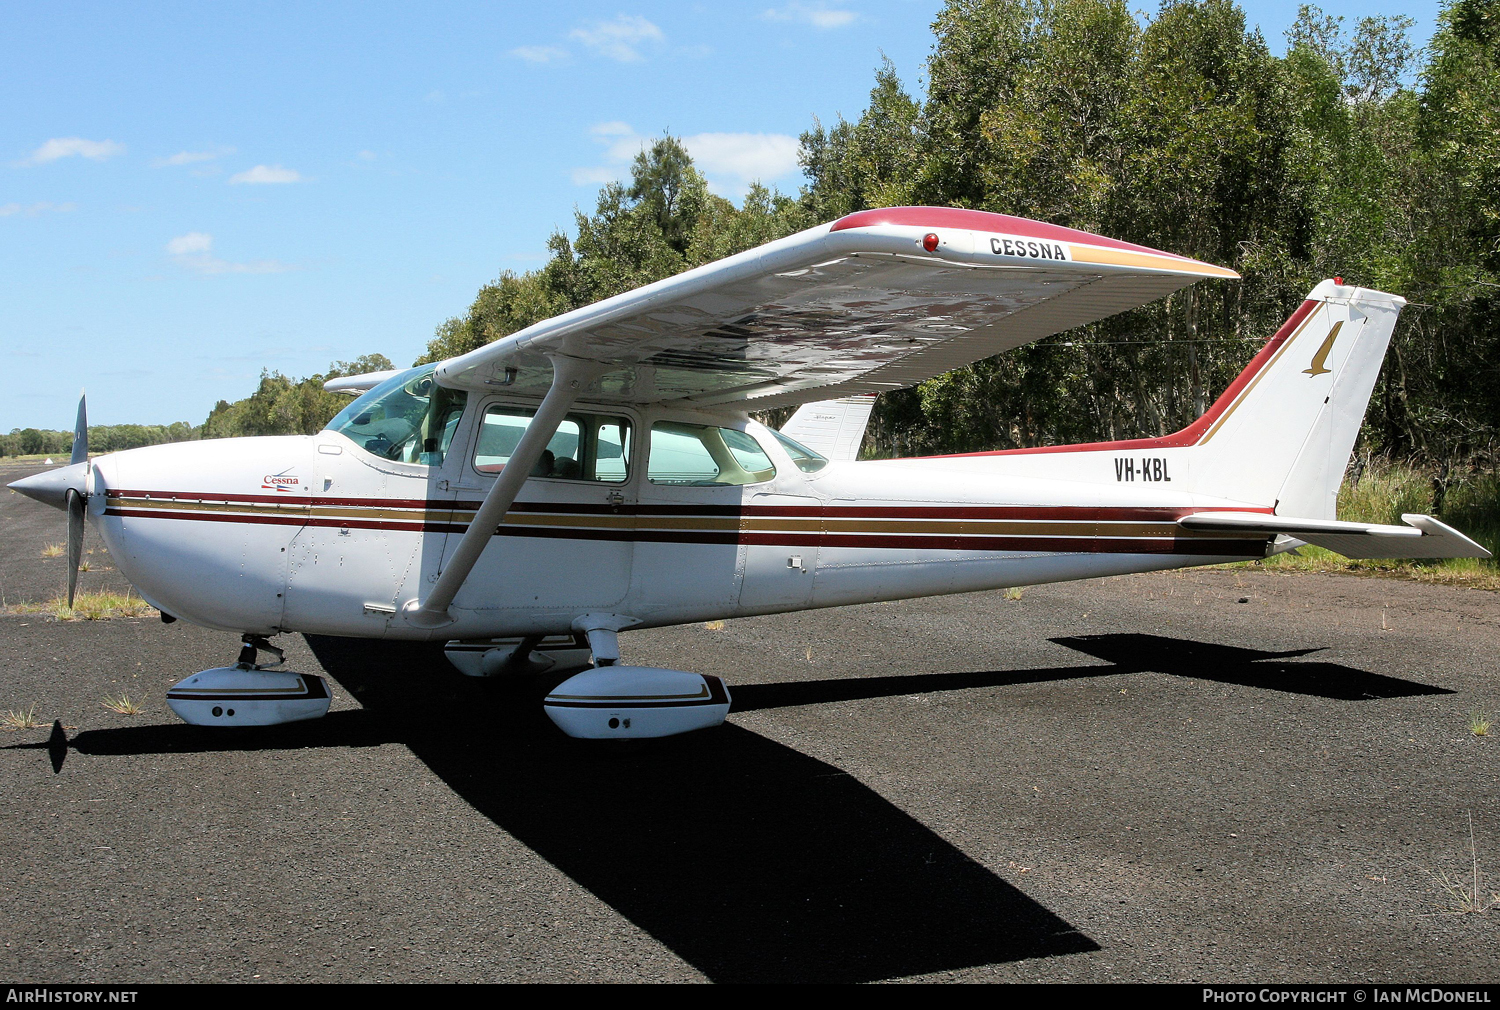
<point x="1128" y="653"/>
<point x="750" y="860"/>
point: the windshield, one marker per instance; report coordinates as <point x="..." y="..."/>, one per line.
<point x="807" y="461"/>
<point x="408" y="417"/>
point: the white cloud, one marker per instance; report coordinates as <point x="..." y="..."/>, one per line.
<point x="33" y="209"/>
<point x="265" y="175"/>
<point x="620" y="39"/>
<point x="730" y="161"/>
<point x="541" y="54"/>
<point x="192" y="242"/>
<point x="193" y="157"/>
<point x="743" y="157"/>
<point x="194" y="251"/>
<point x="367" y="155"/>
<point x="621" y="145"/>
<point x="597" y="176"/>
<point x="68" y="147"/>
<point x="817" y="15"/>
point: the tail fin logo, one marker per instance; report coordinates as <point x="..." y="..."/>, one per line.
<point x="1321" y="358"/>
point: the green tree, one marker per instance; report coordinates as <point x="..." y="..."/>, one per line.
<point x="283" y="406"/>
<point x="665" y="221"/>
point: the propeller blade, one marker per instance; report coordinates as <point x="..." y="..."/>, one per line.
<point x="81" y="432"/>
<point x="75" y="540"/>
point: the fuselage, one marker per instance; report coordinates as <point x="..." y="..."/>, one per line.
<point x="316" y="534"/>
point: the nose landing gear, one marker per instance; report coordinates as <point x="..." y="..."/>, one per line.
<point x="250" y="693"/>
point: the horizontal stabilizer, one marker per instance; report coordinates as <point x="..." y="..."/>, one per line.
<point x="1422" y="537"/>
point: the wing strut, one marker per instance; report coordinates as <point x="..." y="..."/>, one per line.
<point x="570" y="377"/>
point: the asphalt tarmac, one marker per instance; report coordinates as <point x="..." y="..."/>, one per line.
<point x="1203" y="776"/>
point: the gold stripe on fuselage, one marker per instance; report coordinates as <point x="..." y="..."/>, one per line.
<point x="834" y="525"/>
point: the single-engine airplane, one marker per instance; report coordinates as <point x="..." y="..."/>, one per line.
<point x="599" y="471"/>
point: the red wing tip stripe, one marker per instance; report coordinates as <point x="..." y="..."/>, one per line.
<point x="986" y="221"/>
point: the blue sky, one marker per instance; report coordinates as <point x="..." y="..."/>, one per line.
<point x="191" y="192"/>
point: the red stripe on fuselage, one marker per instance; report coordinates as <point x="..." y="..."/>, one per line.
<point x="1097" y="542"/>
<point x="1077" y="513"/>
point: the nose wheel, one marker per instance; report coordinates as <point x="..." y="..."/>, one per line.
<point x="250" y="693"/>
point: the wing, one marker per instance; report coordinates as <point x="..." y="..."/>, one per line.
<point x="874" y="301"/>
<point x="356" y="384"/>
<point x="1423" y="537"/>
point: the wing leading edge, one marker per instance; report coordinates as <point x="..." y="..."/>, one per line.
<point x="875" y="301"/>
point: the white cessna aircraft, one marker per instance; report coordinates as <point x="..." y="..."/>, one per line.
<point x="599" y="471"/>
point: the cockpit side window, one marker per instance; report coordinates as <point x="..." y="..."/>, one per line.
<point x="408" y="418"/>
<point x="698" y="455"/>
<point x="586" y="446"/>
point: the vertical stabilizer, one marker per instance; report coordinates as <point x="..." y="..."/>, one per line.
<point x="834" y="428"/>
<point x="1283" y="432"/>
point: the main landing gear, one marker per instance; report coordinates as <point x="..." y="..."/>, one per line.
<point x="613" y="702"/>
<point x="249" y="693"/>
<point x="607" y="701"/>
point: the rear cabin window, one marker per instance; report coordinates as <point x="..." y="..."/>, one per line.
<point x="586" y="446"/>
<point x="698" y="455"/>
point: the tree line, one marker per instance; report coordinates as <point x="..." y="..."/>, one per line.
<point x="1354" y="154"/>
<point x="102" y="438"/>
<point x="280" y="405"/>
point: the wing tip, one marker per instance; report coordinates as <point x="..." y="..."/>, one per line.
<point x="1085" y="246"/>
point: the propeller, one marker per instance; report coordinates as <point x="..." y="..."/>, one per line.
<point x="75" y="540"/>
<point x="76" y="498"/>
<point x="67" y="488"/>
<point x="81" y="430"/>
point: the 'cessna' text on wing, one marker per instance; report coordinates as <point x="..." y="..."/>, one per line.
<point x="1030" y="248"/>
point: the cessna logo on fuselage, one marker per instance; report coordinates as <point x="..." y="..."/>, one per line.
<point x="1030" y="248"/>
<point x="278" y="482"/>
